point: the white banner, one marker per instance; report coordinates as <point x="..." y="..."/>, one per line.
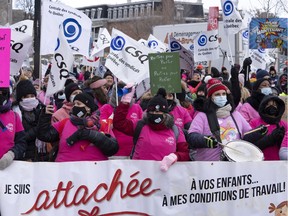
<point x="186" y="56"/>
<point x="91" y="62"/>
<point x="62" y="64"/>
<point x="128" y="59"/>
<point x="103" y="41"/>
<point x="76" y="25"/>
<point x="206" y="46"/>
<point x="125" y="187"/>
<point x="20" y="45"/>
<point x="260" y="58"/>
<point x="231" y="16"/>
<point x="143" y="42"/>
<point x="156" y="44"/>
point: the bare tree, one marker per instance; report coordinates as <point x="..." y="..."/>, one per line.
<point x="27" y="6"/>
<point x="270" y="8"/>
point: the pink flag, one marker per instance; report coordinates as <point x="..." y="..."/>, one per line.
<point x="213" y="18"/>
<point x="5" y="36"/>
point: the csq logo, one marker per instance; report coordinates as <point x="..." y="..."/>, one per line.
<point x="117" y="43"/>
<point x="72" y="30"/>
<point x="261" y="50"/>
<point x="202" y="41"/>
<point x="153" y="44"/>
<point x="245" y="34"/>
<point x="228" y="8"/>
<point x="175" y="46"/>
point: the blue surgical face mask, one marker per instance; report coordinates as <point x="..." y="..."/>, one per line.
<point x="266" y="91"/>
<point x="220" y="101"/>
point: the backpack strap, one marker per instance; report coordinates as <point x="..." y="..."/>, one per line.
<point x="137" y="131"/>
<point x="214" y="125"/>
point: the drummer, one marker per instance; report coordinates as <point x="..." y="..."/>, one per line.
<point x="226" y="124"/>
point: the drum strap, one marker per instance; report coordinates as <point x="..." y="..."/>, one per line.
<point x="236" y="126"/>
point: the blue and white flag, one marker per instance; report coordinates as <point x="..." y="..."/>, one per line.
<point x="206" y="46"/>
<point x="231" y="16"/>
<point x="128" y="59"/>
<point x="156" y="44"/>
<point x="103" y="41"/>
<point x="186" y="56"/>
<point x="62" y="64"/>
<point x="76" y="28"/>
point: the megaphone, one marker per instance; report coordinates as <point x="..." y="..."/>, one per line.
<point x="123" y="91"/>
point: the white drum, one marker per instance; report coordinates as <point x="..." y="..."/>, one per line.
<point x="245" y="151"/>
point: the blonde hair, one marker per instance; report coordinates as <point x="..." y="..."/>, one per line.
<point x="244" y="94"/>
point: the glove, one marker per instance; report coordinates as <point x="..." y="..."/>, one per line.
<point x="167" y="161"/>
<point x="278" y="134"/>
<point x="75" y="137"/>
<point x="247" y="62"/>
<point x="211" y="142"/>
<point x="6" y="160"/>
<point x="128" y="97"/>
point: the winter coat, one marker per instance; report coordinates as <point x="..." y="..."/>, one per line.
<point x="151" y="144"/>
<point x="82" y="150"/>
<point x="13" y="137"/>
<point x="181" y="117"/>
<point x="125" y="142"/>
<point x="228" y="132"/>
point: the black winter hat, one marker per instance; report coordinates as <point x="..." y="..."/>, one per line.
<point x="23" y="88"/>
<point x="88" y="100"/>
<point x="215" y="72"/>
<point x="261" y="74"/>
<point x="158" y="102"/>
<point x="258" y="83"/>
<point x="69" y="89"/>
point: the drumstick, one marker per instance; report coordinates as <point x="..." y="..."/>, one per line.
<point x="223" y="145"/>
<point x="256" y="129"/>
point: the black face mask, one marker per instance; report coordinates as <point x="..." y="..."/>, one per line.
<point x="80" y="112"/>
<point x="155" y="118"/>
<point x="271" y="110"/>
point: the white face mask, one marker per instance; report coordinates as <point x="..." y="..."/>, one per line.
<point x="220" y="101"/>
<point x="28" y="104"/>
<point x="266" y="91"/>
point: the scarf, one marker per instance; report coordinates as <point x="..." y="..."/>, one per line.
<point x="224" y="112"/>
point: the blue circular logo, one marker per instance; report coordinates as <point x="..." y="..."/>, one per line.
<point x="245" y="34"/>
<point x="191" y="47"/>
<point x="117" y="43"/>
<point x="72" y="29"/>
<point x="261" y="50"/>
<point x="174" y="45"/>
<point x="202" y="41"/>
<point x="58" y="44"/>
<point x="228" y="8"/>
<point x="153" y="44"/>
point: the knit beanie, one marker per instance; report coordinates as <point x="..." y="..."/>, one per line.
<point x="23" y="88"/>
<point x="88" y="100"/>
<point x="258" y="83"/>
<point x="69" y="89"/>
<point x="215" y="72"/>
<point x="214" y="85"/>
<point x="261" y="74"/>
<point x="158" y="102"/>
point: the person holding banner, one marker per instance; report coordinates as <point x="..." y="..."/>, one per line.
<point x="156" y="136"/>
<point x="271" y="110"/>
<point x="29" y="108"/>
<point x="219" y="122"/>
<point x="134" y="113"/>
<point x="80" y="138"/>
<point x="13" y="144"/>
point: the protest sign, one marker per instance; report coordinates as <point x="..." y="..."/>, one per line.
<point x="25" y="26"/>
<point x="125" y="187"/>
<point x="268" y="33"/>
<point x="103" y="41"/>
<point x="165" y="72"/>
<point x="5" y="36"/>
<point x="231" y="17"/>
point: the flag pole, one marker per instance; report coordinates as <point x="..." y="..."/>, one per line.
<point x="37" y="36"/>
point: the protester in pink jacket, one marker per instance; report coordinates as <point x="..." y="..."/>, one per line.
<point x="80" y="138"/>
<point x="157" y="139"/>
<point x="271" y="110"/>
<point x="134" y="113"/>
